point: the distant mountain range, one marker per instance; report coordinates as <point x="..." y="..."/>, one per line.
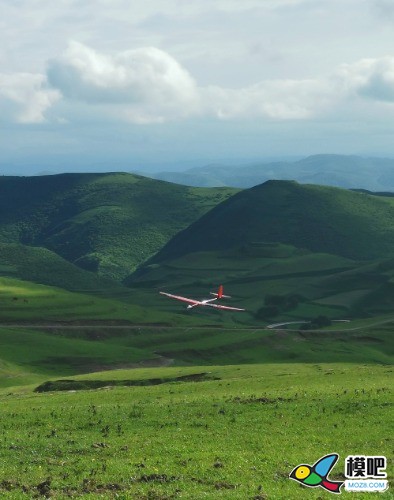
<point x="351" y="172"/>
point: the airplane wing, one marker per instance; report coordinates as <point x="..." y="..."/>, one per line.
<point x="201" y="303"/>
<point x="183" y="299"/>
<point x="228" y="308"/>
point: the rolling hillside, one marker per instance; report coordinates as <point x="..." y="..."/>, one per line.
<point x="284" y="251"/>
<point x="352" y="172"/>
<point x="105" y="223"/>
<point x="351" y="224"/>
<point x="39" y="265"/>
<point x="24" y="302"/>
<point x="321" y="250"/>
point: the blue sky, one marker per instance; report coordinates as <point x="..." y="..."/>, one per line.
<point x="113" y="84"/>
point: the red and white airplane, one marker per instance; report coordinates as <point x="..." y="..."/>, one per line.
<point x="205" y="302"/>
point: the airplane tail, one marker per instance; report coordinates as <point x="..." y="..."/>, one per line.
<point x="220" y="293"/>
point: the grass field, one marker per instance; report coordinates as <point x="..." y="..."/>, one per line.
<point x="204" y="427"/>
<point x="236" y="436"/>
<point x="71" y="349"/>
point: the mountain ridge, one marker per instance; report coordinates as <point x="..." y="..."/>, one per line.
<point x="352" y="224"/>
<point x="347" y="171"/>
<point x="106" y="223"/>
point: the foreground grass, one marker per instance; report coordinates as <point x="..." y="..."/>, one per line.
<point x="238" y="436"/>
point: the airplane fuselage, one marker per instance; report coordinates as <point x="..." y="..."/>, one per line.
<point x="201" y="303"/>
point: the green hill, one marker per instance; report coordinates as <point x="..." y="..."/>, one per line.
<point x="284" y="250"/>
<point x="40" y="265"/>
<point x="333" y="259"/>
<point x="105" y="223"/>
<point x="354" y="225"/>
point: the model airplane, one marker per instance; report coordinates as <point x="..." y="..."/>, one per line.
<point x="205" y="302"/>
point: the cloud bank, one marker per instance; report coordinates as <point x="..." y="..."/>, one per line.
<point x="148" y="85"/>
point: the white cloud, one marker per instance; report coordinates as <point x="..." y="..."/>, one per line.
<point x="25" y="98"/>
<point x="143" y="85"/>
<point x="366" y="80"/>
<point x="276" y="99"/>
<point x="148" y="85"/>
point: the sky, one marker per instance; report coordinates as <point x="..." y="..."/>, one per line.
<point x="104" y="85"/>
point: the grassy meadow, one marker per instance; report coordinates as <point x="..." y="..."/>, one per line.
<point x="99" y="334"/>
<point x="237" y="433"/>
<point x="114" y="421"/>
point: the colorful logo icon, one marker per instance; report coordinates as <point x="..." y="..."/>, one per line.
<point x="316" y="475"/>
